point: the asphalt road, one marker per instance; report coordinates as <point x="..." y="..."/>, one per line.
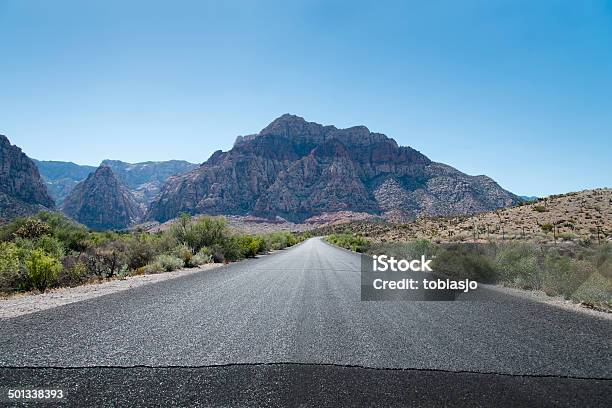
<point x="301" y="307"/>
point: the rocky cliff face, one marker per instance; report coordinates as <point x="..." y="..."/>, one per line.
<point x="61" y="177"/>
<point x="22" y="190"/>
<point x="102" y="202"/>
<point x="298" y="169"/>
<point x="146" y="179"/>
<point x="143" y="179"/>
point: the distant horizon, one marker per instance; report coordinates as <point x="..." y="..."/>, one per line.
<point x="518" y="91"/>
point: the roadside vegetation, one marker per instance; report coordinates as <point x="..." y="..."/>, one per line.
<point x="578" y="272"/>
<point x="348" y="241"/>
<point x="49" y="250"/>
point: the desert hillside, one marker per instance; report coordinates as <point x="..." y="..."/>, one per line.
<point x="584" y="215"/>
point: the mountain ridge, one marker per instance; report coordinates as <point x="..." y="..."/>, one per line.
<point x="144" y="179"/>
<point x="102" y="201"/>
<point x="22" y="191"/>
<point x="259" y="176"/>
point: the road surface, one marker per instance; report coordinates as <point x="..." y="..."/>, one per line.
<point x="267" y="322"/>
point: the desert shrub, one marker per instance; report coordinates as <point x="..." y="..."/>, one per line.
<point x="206" y="231"/>
<point x="107" y="260"/>
<point x="184" y="252"/>
<point x="33" y="228"/>
<point x="154" y="267"/>
<point x="169" y="263"/>
<point x="24" y="247"/>
<point x="123" y="272"/>
<point x="140" y="249"/>
<point x="547" y="227"/>
<point x="564" y="275"/>
<point x="517" y="265"/>
<point x="466" y="262"/>
<point x="216" y="252"/>
<point x="350" y="241"/>
<point x="567" y="236"/>
<point x="280" y="240"/>
<point x="180" y="227"/>
<point x="162" y="242"/>
<point x="10" y="266"/>
<point x="73" y="236"/>
<point x="74" y="271"/>
<point x="101" y="239"/>
<point x="201" y="258"/>
<point x="539" y="208"/>
<point x="50" y="245"/>
<point x="250" y="245"/>
<point x="230" y="249"/>
<point x="42" y="269"/>
<point x="7" y="231"/>
<point x="596" y="292"/>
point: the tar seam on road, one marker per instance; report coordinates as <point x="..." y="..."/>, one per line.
<point x="289" y="363"/>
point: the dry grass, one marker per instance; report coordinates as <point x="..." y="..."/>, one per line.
<point x="579" y="216"/>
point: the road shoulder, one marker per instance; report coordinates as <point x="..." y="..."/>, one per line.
<point x="25" y="303"/>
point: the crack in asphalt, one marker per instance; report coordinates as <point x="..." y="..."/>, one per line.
<point x="301" y="364"/>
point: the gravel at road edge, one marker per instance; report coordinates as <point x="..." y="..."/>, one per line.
<point x="24" y="303"/>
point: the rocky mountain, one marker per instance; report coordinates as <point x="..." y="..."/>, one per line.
<point x="22" y="190"/>
<point x="297" y="169"/>
<point x="61" y="177"/>
<point x="102" y="202"/>
<point x="146" y="179"/>
<point x="143" y="179"/>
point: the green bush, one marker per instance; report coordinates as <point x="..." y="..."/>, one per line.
<point x="539" y="208"/>
<point x="169" y="263"/>
<point x="280" y="240"/>
<point x="250" y="245"/>
<point x="184" y="252"/>
<point x="547" y="227"/>
<point x="51" y="246"/>
<point x="230" y="249"/>
<point x="217" y="252"/>
<point x="106" y="260"/>
<point x="74" y="271"/>
<point x="140" y="250"/>
<point x="517" y="265"/>
<point x="206" y="231"/>
<point x="564" y="275"/>
<point x="9" y="266"/>
<point x="153" y="267"/>
<point x="353" y="242"/>
<point x="201" y="258"/>
<point x="466" y="262"/>
<point x="603" y="260"/>
<point x="73" y="236"/>
<point x="33" y="228"/>
<point x="42" y="269"/>
<point x="596" y="292"/>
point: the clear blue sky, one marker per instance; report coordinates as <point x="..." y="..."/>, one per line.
<point x="518" y="90"/>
